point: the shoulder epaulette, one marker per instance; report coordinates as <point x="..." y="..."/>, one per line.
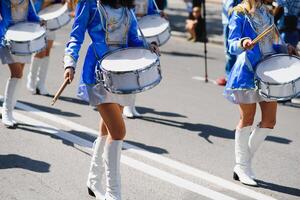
<point x="242" y="8"/>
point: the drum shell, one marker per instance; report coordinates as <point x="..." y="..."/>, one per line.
<point x="28" y="47"/>
<point x="160" y="39"/>
<point x="58" y="22"/>
<point x="278" y="91"/>
<point x="136" y="81"/>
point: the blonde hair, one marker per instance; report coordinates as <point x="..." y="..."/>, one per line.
<point x="247" y="5"/>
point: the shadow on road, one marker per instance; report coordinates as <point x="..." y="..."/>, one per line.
<point x="279" y="188"/>
<point x="70" y="100"/>
<point x="51" y="109"/>
<point x="205" y="131"/>
<point x="152" y="149"/>
<point x="144" y="110"/>
<point x="10" y="161"/>
<point x="174" y="53"/>
<point x="49" y="132"/>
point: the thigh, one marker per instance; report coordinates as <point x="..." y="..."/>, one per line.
<point x="16" y="70"/>
<point x="247" y="113"/>
<point x="49" y="47"/>
<point x="113" y="120"/>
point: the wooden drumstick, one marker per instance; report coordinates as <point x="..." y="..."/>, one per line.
<point x="58" y="93"/>
<point x="263" y="34"/>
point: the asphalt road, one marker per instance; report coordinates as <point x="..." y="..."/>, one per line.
<point x="182" y="149"/>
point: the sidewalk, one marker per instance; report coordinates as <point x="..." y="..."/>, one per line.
<point x="177" y="15"/>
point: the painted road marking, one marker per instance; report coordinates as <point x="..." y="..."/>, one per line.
<point x="155" y="157"/>
<point x="138" y="165"/>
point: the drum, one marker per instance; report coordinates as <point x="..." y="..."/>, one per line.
<point x="278" y="77"/>
<point x="26" y="38"/>
<point x="155" y="29"/>
<point x="129" y="71"/>
<point x="56" y="16"/>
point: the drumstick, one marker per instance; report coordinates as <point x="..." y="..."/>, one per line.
<point x="263" y="34"/>
<point x="58" y="93"/>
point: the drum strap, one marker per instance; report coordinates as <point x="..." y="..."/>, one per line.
<point x="33" y="8"/>
<point x="155" y="4"/>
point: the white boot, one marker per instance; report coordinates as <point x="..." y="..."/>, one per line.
<point x="131" y="112"/>
<point x="10" y="96"/>
<point x="257" y="137"/>
<point x="242" y="157"/>
<point x="112" y="156"/>
<point x="42" y="75"/>
<point x="33" y="73"/>
<point x="94" y="182"/>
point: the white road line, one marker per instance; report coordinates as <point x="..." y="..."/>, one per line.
<point x="138" y="165"/>
<point x="155" y="157"/>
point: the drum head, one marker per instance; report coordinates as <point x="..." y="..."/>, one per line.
<point x="53" y="11"/>
<point x="26" y="31"/>
<point x="279" y="69"/>
<point x="129" y="59"/>
<point x="152" y="25"/>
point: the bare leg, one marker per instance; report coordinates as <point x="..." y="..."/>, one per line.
<point x="247" y="113"/>
<point x="268" y="111"/>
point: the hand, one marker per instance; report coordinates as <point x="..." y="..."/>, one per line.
<point x="43" y="23"/>
<point x="154" y="48"/>
<point x="163" y="14"/>
<point x="69" y="74"/>
<point x="247" y="44"/>
<point x="292" y="50"/>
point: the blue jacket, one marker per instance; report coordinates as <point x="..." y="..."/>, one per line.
<point x="87" y="18"/>
<point x="151" y="8"/>
<point x="242" y="75"/>
<point x="6" y="22"/>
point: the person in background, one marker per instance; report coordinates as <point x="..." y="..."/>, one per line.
<point x="288" y="24"/>
<point x="195" y="26"/>
<point x="230" y="59"/>
<point x="13" y="11"/>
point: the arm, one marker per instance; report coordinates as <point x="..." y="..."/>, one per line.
<point x="32" y="15"/>
<point x="235" y="38"/>
<point x="82" y="15"/>
<point x="133" y="39"/>
<point x="3" y="25"/>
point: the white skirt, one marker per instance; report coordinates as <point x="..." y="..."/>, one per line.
<point x="8" y="58"/>
<point x="247" y="97"/>
<point x="97" y="95"/>
<point x="50" y="35"/>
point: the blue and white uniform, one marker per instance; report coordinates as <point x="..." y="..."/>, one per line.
<point x="145" y="7"/>
<point x="240" y="87"/>
<point x="109" y="29"/>
<point x="14" y="11"/>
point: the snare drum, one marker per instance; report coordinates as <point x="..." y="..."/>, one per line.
<point x="278" y="77"/>
<point x="155" y="29"/>
<point x="26" y="38"/>
<point x="129" y="71"/>
<point x="56" y="16"/>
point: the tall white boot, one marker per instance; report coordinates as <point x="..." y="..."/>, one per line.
<point x="131" y="112"/>
<point x="10" y="96"/>
<point x="33" y="73"/>
<point x="112" y="156"/>
<point x="42" y="75"/>
<point x="241" y="170"/>
<point x="94" y="182"/>
<point x="257" y="137"/>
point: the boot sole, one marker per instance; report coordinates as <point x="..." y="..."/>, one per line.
<point x="236" y="178"/>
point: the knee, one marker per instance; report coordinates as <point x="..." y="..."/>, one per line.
<point x="247" y="120"/>
<point x="18" y="75"/>
<point x="118" y="133"/>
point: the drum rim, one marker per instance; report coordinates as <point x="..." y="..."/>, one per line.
<point x="52" y="5"/>
<point x="167" y="29"/>
<point x="272" y="56"/>
<point x="125" y="72"/>
<point x="25" y="41"/>
<point x="54" y="29"/>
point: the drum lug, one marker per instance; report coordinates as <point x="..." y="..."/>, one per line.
<point x="294" y="88"/>
<point x="268" y="91"/>
<point x="138" y="78"/>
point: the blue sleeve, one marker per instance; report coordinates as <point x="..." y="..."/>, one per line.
<point x="82" y="15"/>
<point x="32" y="15"/>
<point x="151" y="8"/>
<point x="3" y="24"/>
<point x="235" y="36"/>
<point x="38" y="5"/>
<point x="133" y="39"/>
